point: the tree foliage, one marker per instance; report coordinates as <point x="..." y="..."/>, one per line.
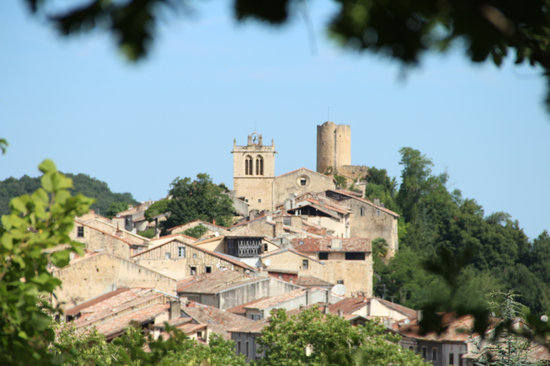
<point x="157" y="208"/>
<point x="30" y="237"/>
<point x="313" y="338"/>
<point x="82" y="183"/>
<point x="196" y="232"/>
<point x="88" y="347"/>
<point x="198" y="199"/>
<point x="439" y="226"/>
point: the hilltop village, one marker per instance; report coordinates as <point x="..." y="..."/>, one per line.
<point x="298" y="241"/>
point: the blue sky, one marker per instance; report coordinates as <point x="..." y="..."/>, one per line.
<point x="209" y="80"/>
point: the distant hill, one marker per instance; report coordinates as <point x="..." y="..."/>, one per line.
<point x="83" y="183"/>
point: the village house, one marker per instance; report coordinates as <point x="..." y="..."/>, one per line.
<point x="288" y="264"/>
<point x="177" y="258"/>
<point x="99" y="273"/>
<point x="112" y="312"/>
<point x="102" y="237"/>
<point x="368" y="219"/>
<point x="227" y="289"/>
<point x="133" y="219"/>
<point x="347" y="261"/>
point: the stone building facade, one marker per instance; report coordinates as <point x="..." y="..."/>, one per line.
<point x="99" y="273"/>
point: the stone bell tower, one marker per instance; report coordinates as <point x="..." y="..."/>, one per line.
<point x="254" y="171"/>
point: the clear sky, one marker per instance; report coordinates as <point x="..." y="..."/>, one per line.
<point x="209" y="80"/>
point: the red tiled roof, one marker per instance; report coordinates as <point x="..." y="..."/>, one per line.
<point x="457" y="329"/>
<point x="124" y="240"/>
<point x="348" y="305"/>
<point x="75" y="310"/>
<point x="327" y="244"/>
<point x="381" y="208"/>
<point x="219" y="321"/>
<point x="240" y="309"/>
<point x="209" y="283"/>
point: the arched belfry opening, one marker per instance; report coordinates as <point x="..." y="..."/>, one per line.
<point x="248" y="165"/>
<point x="259" y="165"/>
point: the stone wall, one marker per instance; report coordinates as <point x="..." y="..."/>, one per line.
<point x="97" y="274"/>
<point x="96" y="240"/>
<point x="174" y="262"/>
<point x="299" y="182"/>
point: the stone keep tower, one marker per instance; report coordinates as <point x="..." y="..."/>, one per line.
<point x="333" y="147"/>
<point x="254" y="171"/>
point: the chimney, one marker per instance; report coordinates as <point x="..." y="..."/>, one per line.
<point x="308" y="296"/>
<point x="278" y="229"/>
<point x="175" y="309"/>
<point x="377" y="202"/>
<point x="340" y="313"/>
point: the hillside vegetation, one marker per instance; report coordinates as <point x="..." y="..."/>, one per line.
<point x="83" y="183"/>
<point x="436" y="223"/>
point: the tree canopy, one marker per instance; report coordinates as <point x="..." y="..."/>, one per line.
<point x="82" y="183"/>
<point x="438" y="227"/>
<point x="314" y="338"/>
<point x="199" y="199"/>
<point x="400" y="30"/>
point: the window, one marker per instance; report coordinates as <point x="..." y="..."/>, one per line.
<point x="239" y="347"/>
<point x="323" y="255"/>
<point x="424" y="353"/>
<point x="377" y="212"/>
<point x="193" y="271"/>
<point x="181" y="252"/>
<point x="246" y="349"/>
<point x="305" y="264"/>
<point x="340" y="282"/>
<point x="286" y="221"/>
<point x="195" y="255"/>
<point x="248" y="165"/>
<point x="355" y="256"/>
<point x="259" y="200"/>
<point x="303" y="181"/>
<point x="265" y="247"/>
<point x="208" y="269"/>
<point x="259" y="165"/>
<point x="461" y="359"/>
<point x="80" y="232"/>
<point x="451" y="358"/>
<point x="362" y="211"/>
<point x="434" y="354"/>
<point x="167" y="255"/>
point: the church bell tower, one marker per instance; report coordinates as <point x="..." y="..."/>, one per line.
<point x="254" y="171"/>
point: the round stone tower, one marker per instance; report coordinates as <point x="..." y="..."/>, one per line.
<point x="333" y="147"/>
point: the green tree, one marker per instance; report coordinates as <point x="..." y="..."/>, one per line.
<point x="88" y="347"/>
<point x="382" y="187"/>
<point x="30" y="237"/>
<point x="198" y="199"/>
<point x="313" y="338"/>
<point x="115" y="208"/>
<point x="196" y="232"/>
<point x="157" y="208"/>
